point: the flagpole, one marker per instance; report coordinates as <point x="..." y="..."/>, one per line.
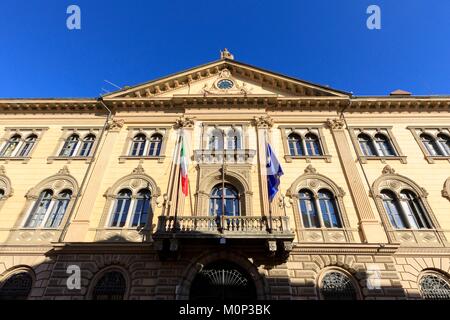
<point x="223" y="182"/>
<point x="270" y="202"/>
<point x="171" y="176"/>
<point x="175" y="220"/>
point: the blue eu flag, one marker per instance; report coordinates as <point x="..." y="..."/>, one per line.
<point x="274" y="172"/>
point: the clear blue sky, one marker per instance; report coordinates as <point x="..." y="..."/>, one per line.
<point x="129" y="42"/>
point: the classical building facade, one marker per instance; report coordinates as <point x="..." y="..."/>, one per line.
<point x="93" y="188"/>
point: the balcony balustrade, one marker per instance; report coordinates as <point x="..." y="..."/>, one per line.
<point x="230" y="156"/>
<point x="233" y="226"/>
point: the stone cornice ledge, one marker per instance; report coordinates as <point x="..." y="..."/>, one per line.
<point x="6" y="249"/>
<point x="103" y="247"/>
<point x="344" y="248"/>
<point x="423" y="251"/>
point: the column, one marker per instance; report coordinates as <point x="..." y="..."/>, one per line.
<point x="370" y="227"/>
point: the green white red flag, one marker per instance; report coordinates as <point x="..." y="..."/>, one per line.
<point x="183" y="169"/>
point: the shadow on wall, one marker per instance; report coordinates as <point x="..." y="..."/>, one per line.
<point x="117" y="269"/>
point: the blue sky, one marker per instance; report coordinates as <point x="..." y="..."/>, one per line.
<point x="129" y="42"/>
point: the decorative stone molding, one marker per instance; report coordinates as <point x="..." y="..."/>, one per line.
<point x="56" y="183"/>
<point x="138" y="170"/>
<point x="184" y="122"/>
<point x="302" y="132"/>
<point x="396" y="183"/>
<point x="5" y="185"/>
<point x="134" y="182"/>
<point x="236" y="175"/>
<point x="263" y="122"/>
<point x="310" y="170"/>
<point x="115" y="124"/>
<point x="371" y="132"/>
<point x="388" y="170"/>
<point x="335" y="124"/>
<point x="314" y="182"/>
<point x="446" y="190"/>
<point x="225" y="54"/>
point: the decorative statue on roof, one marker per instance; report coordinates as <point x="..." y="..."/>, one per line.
<point x="225" y="54"/>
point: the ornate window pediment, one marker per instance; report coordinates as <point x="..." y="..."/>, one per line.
<point x="129" y="208"/>
<point x="319" y="210"/>
<point x="404" y="210"/>
<point x="375" y="143"/>
<point x="6" y="190"/>
<point x="145" y="143"/>
<point x="19" y="143"/>
<point x="446" y="190"/>
<point x="433" y="141"/>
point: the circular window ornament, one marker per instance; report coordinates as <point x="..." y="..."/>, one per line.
<point x="225" y="84"/>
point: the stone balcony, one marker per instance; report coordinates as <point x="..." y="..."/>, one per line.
<point x="230" y="156"/>
<point x="233" y="227"/>
<point x="270" y="235"/>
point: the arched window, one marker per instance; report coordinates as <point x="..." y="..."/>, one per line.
<point x="28" y="145"/>
<point x="337" y="286"/>
<point x="393" y="210"/>
<point x="406" y="212"/>
<point x="120" y="209"/>
<point x="308" y="209"/>
<point x="312" y="145"/>
<point x="138" y="145"/>
<point x="230" y="200"/>
<point x="70" y="146"/>
<point x="111" y="286"/>
<point x="2" y="194"/>
<point x="329" y="210"/>
<point x="430" y="144"/>
<point x="49" y="210"/>
<point x="444" y="142"/>
<point x="366" y="145"/>
<point x="155" y="144"/>
<point x="414" y="210"/>
<point x="16" y="287"/>
<point x="295" y="145"/>
<point x="11" y="146"/>
<point x="141" y="209"/>
<point x="383" y="145"/>
<point x="59" y="209"/>
<point x="40" y="209"/>
<point x="86" y="147"/>
<point x="434" y="287"/>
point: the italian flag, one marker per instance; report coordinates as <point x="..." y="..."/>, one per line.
<point x="183" y="169"/>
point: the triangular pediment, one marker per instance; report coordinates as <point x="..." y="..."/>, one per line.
<point x="226" y="77"/>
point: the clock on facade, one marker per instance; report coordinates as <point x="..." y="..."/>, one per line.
<point x="225" y="84"/>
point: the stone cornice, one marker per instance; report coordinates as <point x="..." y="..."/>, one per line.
<point x="345" y="248"/>
<point x="349" y="105"/>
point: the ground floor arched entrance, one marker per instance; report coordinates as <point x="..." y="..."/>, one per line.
<point x="222" y="280"/>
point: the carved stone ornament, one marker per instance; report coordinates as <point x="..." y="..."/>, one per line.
<point x="388" y="170"/>
<point x="225" y="84"/>
<point x="225" y="54"/>
<point x="64" y="171"/>
<point x="263" y="122"/>
<point x="184" y="122"/>
<point x="310" y="170"/>
<point x="335" y="124"/>
<point x="138" y="170"/>
<point x="115" y="124"/>
<point x="2" y="171"/>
